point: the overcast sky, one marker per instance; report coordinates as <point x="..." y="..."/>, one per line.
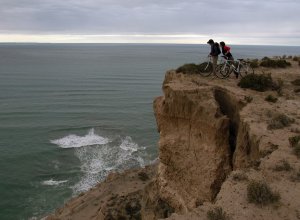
<point x="157" y="21"/>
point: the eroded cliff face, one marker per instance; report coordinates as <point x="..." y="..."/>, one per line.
<point x="202" y="138"/>
<point x="209" y="133"/>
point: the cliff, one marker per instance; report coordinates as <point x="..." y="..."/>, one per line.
<point x="215" y="139"/>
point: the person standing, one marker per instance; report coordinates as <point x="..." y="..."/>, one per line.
<point x="226" y="51"/>
<point x="214" y="53"/>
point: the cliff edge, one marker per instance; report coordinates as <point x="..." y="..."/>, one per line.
<point x="216" y="139"/>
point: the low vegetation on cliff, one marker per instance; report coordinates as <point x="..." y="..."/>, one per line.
<point x="296" y="82"/>
<point x="274" y="63"/>
<point x="217" y="214"/>
<point x="239" y="177"/>
<point x="258" y="82"/>
<point x="279" y="121"/>
<point x="189" y="68"/>
<point x="283" y="165"/>
<point x="271" y="98"/>
<point x="261" y="194"/>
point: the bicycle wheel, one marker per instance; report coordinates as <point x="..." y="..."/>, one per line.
<point x="205" y="69"/>
<point x="245" y="69"/>
<point x="223" y="71"/>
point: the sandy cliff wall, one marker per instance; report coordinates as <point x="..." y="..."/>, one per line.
<point x="202" y="138"/>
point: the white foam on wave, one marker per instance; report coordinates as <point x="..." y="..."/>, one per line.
<point x="128" y="145"/>
<point x="52" y="182"/>
<point x="74" y="141"/>
<point x="97" y="162"/>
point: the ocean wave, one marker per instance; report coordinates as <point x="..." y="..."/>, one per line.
<point x="128" y="145"/>
<point x="74" y="141"/>
<point x="97" y="162"/>
<point x="52" y="182"/>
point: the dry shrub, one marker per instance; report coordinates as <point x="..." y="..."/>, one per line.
<point x="280" y="121"/>
<point x="258" y="82"/>
<point x="296" y="82"/>
<point x="143" y="176"/>
<point x="248" y="99"/>
<point x="261" y="194"/>
<point x="294" y="140"/>
<point x="280" y="63"/>
<point x="295" y="144"/>
<point x="217" y="214"/>
<point x="271" y="98"/>
<point x="283" y="165"/>
<point x="189" y="68"/>
<point x="254" y="63"/>
<point x="296" y="150"/>
<point x="239" y="177"/>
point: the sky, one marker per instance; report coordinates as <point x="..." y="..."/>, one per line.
<point x="253" y="22"/>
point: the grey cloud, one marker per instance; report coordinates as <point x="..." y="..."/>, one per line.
<point x="229" y="18"/>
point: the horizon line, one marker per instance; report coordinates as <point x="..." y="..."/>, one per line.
<point x="191" y="39"/>
<point x="143" y="43"/>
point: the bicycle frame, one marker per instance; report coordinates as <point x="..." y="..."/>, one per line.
<point x="239" y="66"/>
<point x="230" y="64"/>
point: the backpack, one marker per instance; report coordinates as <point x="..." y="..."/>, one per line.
<point x="217" y="48"/>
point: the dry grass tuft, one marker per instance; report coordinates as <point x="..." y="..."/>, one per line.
<point x="217" y="214"/>
<point x="296" y="82"/>
<point x="248" y="99"/>
<point x="296" y="150"/>
<point x="280" y="63"/>
<point x="271" y="98"/>
<point x="280" y="121"/>
<point x="283" y="165"/>
<point x="295" y="144"/>
<point x="261" y="194"/>
<point x="294" y="140"/>
<point x="189" y="68"/>
<point x="239" y="177"/>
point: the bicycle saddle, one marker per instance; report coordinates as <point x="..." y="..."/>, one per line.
<point x="240" y="59"/>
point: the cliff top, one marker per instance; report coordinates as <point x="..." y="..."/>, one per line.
<point x="264" y="127"/>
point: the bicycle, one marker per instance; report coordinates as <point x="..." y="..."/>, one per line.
<point x="239" y="67"/>
<point x="206" y="68"/>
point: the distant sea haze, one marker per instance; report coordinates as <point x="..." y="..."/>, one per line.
<point x="72" y="113"/>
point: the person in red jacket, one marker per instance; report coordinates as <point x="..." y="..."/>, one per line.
<point x="226" y="51"/>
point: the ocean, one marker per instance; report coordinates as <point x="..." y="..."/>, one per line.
<point x="72" y="113"/>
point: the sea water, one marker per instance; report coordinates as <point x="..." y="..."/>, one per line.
<point x="72" y="113"/>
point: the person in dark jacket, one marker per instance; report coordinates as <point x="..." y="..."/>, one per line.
<point x="214" y="53"/>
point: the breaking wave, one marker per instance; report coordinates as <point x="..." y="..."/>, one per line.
<point x="106" y="155"/>
<point x="52" y="182"/>
<point x="74" y="141"/>
<point x="96" y="163"/>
